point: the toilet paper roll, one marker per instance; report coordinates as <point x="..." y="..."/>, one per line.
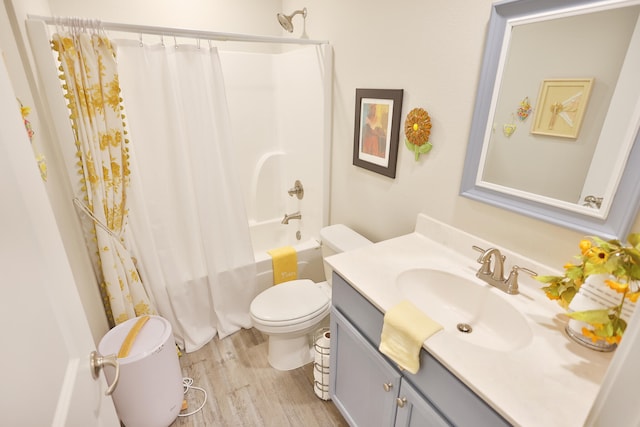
<point x="322" y="349"/>
<point x="324" y="339"/>
<point x="319" y="369"/>
<point x="321" y="378"/>
<point x="321" y="385"/>
<point x="322" y="360"/>
<point x="321" y="365"/>
<point x="324" y="395"/>
<point x="323" y="343"/>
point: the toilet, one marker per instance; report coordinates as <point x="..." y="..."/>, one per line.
<point x="291" y="312"/>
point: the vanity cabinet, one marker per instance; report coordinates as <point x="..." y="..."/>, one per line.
<point x="369" y="389"/>
<point x="365" y="386"/>
<point x="414" y="411"/>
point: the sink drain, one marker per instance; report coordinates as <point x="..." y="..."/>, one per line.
<point x="464" y="327"/>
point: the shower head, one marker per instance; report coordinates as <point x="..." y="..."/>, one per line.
<point x="285" y="20"/>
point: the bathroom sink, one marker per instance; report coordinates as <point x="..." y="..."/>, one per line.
<point x="467" y="308"/>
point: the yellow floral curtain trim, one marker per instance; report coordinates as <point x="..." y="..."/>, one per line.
<point x="90" y="81"/>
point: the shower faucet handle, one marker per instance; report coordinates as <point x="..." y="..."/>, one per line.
<point x="297" y="190"/>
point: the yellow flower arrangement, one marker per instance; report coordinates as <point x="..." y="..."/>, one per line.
<point x="620" y="263"/>
<point x="417" y="129"/>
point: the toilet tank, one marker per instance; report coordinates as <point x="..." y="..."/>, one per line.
<point x="339" y="238"/>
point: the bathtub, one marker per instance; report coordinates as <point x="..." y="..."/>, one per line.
<point x="271" y="234"/>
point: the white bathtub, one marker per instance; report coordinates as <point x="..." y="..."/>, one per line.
<point x="271" y="234"/>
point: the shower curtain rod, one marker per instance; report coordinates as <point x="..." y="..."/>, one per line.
<point x="182" y="32"/>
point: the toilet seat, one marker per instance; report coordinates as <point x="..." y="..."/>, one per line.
<point x="290" y="303"/>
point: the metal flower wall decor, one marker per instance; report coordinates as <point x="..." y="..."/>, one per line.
<point x="417" y="129"/>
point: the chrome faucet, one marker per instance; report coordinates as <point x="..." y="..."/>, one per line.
<point x="287" y="217"/>
<point x="496" y="277"/>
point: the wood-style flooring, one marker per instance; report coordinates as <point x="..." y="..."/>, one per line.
<point x="243" y="390"/>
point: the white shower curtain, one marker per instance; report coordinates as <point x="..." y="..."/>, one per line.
<point x="188" y="220"/>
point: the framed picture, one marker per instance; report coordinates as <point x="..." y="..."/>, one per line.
<point x="561" y="107"/>
<point x="377" y="128"/>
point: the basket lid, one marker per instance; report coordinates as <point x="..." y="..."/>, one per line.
<point x="150" y="339"/>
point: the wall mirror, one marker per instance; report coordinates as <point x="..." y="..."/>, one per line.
<point x="554" y="133"/>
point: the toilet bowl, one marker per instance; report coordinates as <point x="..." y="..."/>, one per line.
<point x="290" y="312"/>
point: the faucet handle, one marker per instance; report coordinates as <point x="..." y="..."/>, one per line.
<point x="479" y="249"/>
<point x="486" y="262"/>
<point x="297" y="190"/>
<point x="512" y="280"/>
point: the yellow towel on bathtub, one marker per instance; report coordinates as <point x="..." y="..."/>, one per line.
<point x="404" y="330"/>
<point x="285" y="264"/>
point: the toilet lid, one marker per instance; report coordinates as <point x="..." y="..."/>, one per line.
<point x="291" y="300"/>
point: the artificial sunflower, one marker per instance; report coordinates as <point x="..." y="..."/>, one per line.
<point x="597" y="256"/>
<point x="417" y="129"/>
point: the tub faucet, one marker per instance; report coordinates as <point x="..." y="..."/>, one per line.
<point x="287" y="217"/>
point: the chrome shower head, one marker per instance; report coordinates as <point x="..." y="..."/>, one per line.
<point x="285" y="20"/>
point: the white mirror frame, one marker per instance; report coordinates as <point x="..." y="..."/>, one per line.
<point x="624" y="207"/>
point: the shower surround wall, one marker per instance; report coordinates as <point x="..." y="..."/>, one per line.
<point x="279" y="104"/>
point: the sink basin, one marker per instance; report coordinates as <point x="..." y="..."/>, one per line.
<point x="455" y="301"/>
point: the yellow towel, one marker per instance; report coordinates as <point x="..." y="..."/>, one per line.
<point x="404" y="330"/>
<point x="285" y="264"/>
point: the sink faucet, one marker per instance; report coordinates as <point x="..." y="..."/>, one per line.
<point x="496" y="277"/>
<point x="485" y="273"/>
<point x="287" y="217"/>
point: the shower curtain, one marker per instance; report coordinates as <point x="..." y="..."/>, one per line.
<point x="188" y="220"/>
<point x="88" y="69"/>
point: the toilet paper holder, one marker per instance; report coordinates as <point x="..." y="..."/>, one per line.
<point x="321" y="341"/>
<point x="322" y="351"/>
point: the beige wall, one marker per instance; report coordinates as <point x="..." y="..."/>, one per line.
<point x="12" y="17"/>
<point x="431" y="49"/>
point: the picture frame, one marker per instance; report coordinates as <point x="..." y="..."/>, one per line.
<point x="561" y="107"/>
<point x="377" y="129"/>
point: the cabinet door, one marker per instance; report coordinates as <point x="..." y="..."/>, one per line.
<point x="363" y="385"/>
<point x="415" y="411"/>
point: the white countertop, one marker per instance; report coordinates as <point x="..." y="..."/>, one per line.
<point x="551" y="381"/>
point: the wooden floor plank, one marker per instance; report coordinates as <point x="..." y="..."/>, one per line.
<point x="244" y="390"/>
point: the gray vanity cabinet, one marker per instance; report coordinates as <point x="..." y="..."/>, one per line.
<point x="364" y="385"/>
<point x="369" y="390"/>
<point x="414" y="410"/>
